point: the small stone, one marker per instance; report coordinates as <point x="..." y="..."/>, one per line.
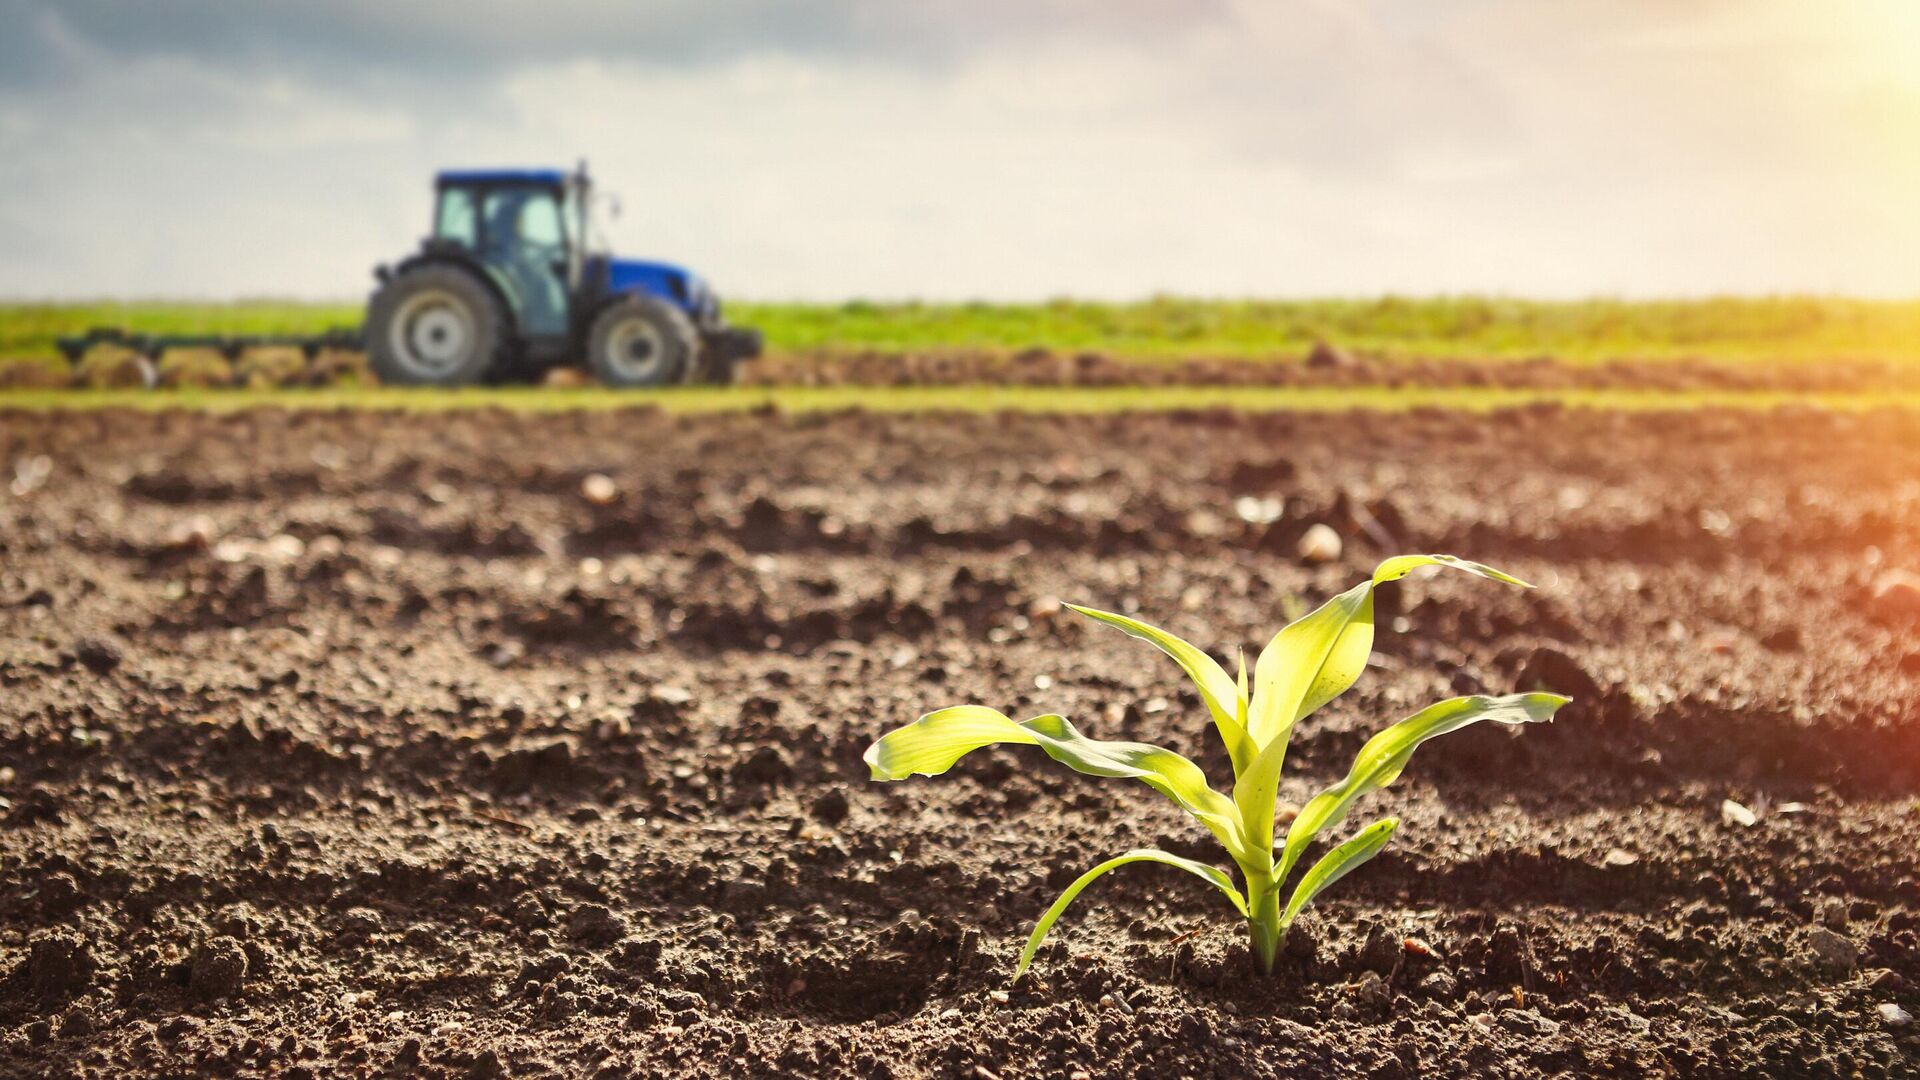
<point x="1617" y="857"/>
<point x="283" y="548"/>
<point x="1733" y="814"/>
<point x="1893" y="1015"/>
<point x="599" y="489"/>
<point x="1373" y="991"/>
<point x="1319" y="544"/>
<point x="1440" y="984"/>
<point x="218" y="968"/>
<point x="1833" y="913"/>
<point x="1258" y="510"/>
<point x="1529" y="1022"/>
<point x="1830" y="951"/>
<point x="999" y="997"/>
<point x="98" y="655"/>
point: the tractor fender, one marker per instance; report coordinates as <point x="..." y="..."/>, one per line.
<point x="493" y="279"/>
<point x="664" y="281"/>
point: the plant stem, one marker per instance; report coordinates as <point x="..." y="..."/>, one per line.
<point x="1263" y="920"/>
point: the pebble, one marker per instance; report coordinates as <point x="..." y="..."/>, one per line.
<point x="1373" y="991"/>
<point x="1256" y="510"/>
<point x="1734" y="814"/>
<point x="1440" y="984"/>
<point x="98" y="655"/>
<point x="1617" y="857"/>
<point x="1529" y="1022"/>
<point x="1893" y="1015"/>
<point x="599" y="489"/>
<point x="1319" y="544"/>
<point x="1830" y="951"/>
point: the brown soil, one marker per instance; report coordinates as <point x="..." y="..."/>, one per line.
<point x="1329" y="367"/>
<point x="360" y="744"/>
<point x="1043" y="367"/>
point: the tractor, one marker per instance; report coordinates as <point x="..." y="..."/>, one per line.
<point x="506" y="288"/>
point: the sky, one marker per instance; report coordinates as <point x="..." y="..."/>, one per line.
<point x="990" y="149"/>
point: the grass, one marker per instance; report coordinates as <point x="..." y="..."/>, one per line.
<point x="1780" y="329"/>
<point x="965" y="399"/>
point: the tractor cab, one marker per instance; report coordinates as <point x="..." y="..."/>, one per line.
<point x="525" y="226"/>
<point x="505" y="286"/>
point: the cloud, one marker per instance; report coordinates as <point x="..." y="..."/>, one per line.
<point x="869" y="147"/>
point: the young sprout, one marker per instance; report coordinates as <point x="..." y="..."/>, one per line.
<point x="1307" y="664"/>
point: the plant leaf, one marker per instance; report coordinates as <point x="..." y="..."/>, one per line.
<point x="1400" y="566"/>
<point x="1338" y="863"/>
<point x="1380" y="761"/>
<point x="932" y="744"/>
<point x="1311" y="661"/>
<point x="1225" y="702"/>
<point x="1214" y="876"/>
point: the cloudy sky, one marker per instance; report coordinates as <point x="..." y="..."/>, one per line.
<point x="982" y="148"/>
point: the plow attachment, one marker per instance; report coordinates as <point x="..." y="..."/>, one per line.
<point x="141" y="354"/>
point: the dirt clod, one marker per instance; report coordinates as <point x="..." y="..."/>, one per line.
<point x="59" y="963"/>
<point x="218" y="968"/>
<point x="831" y="806"/>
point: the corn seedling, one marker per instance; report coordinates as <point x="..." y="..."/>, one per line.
<point x="1307" y="664"/>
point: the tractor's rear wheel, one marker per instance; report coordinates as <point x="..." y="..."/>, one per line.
<point x="434" y="326"/>
<point x="641" y="341"/>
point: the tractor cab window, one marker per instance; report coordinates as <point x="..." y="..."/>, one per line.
<point x="455" y="219"/>
<point x="524" y="217"/>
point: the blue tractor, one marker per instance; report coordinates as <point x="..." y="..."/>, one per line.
<point x="507" y="287"/>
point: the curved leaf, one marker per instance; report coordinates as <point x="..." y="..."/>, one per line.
<point x="1227" y="703"/>
<point x="1214" y="876"/>
<point x="1308" y="663"/>
<point x="1380" y="761"/>
<point x="932" y="744"/>
<point x="1338" y="863"/>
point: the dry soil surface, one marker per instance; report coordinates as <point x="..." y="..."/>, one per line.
<point x="341" y="744"/>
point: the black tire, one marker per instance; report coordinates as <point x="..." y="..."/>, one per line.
<point x="642" y="341"/>
<point x="435" y="326"/>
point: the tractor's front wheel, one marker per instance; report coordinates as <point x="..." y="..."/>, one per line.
<point x="641" y="341"/>
<point x="434" y="326"/>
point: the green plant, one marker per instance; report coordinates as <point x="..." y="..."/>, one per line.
<point x="1310" y="662"/>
